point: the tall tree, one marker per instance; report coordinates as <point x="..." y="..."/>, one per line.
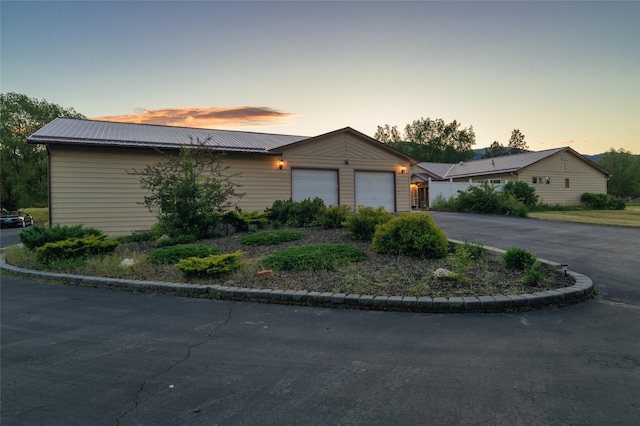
<point x="496" y="149"/>
<point x="23" y="167"/>
<point x="432" y="140"/>
<point x="517" y="143"/>
<point x="625" y="168"/>
<point x="386" y="134"/>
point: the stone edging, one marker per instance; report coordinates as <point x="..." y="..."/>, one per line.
<point x="580" y="291"/>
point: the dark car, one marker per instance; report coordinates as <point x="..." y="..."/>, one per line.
<point x="21" y="219"/>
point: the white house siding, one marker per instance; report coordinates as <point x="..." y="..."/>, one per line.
<point x="582" y="178"/>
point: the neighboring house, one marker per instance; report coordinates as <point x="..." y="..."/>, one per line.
<point x="559" y="176"/>
<point x="89" y="160"/>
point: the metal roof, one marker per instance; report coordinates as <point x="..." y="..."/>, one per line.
<point x="496" y="165"/>
<point x="93" y="132"/>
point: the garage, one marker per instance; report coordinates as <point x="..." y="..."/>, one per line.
<point x="310" y="183"/>
<point x="374" y="189"/>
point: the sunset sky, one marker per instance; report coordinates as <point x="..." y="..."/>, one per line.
<point x="563" y="73"/>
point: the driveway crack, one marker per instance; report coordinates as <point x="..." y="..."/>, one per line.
<point x="210" y="333"/>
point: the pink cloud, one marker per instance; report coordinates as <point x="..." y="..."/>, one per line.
<point x="204" y="117"/>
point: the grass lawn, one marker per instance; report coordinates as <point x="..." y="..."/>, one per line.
<point x="40" y="214"/>
<point x="630" y="216"/>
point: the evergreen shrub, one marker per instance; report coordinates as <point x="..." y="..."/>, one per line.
<point x="210" y="266"/>
<point x="413" y="234"/>
<point x="173" y="254"/>
<point x="267" y="238"/>
<point x="517" y="258"/>
<point x="335" y="216"/>
<point x="312" y="257"/>
<point x="39" y="235"/>
<point x="75" y="248"/>
<point x="362" y="224"/>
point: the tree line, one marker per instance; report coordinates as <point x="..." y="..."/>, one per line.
<point x="23" y="166"/>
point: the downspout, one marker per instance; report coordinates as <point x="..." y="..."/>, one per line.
<point x="49" y="183"/>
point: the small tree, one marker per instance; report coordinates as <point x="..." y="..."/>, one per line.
<point x="189" y="191"/>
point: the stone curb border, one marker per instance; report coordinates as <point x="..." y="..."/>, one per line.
<point x="580" y="291"/>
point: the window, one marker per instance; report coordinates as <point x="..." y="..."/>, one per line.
<point x="567" y="183"/>
<point x="539" y="180"/>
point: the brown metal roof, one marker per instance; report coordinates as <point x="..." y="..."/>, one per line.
<point x="93" y="132"/>
<point x="498" y="165"/>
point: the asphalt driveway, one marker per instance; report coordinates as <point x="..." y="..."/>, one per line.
<point x="77" y="356"/>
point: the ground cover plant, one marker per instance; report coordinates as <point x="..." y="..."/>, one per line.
<point x="312" y="257"/>
<point x="267" y="238"/>
<point x="173" y="254"/>
<point x="376" y="274"/>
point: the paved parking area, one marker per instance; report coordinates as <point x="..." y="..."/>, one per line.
<point x="74" y="355"/>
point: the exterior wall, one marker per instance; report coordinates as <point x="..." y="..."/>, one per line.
<point x="91" y="186"/>
<point x="332" y="151"/>
<point x="582" y="178"/>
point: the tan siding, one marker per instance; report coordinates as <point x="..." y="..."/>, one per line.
<point x="261" y="179"/>
<point x="91" y="186"/>
<point x="331" y="152"/>
<point x="583" y="178"/>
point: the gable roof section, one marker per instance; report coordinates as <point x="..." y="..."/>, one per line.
<point x="360" y="135"/>
<point x="107" y="133"/>
<point x="498" y="165"/>
<point x="433" y="170"/>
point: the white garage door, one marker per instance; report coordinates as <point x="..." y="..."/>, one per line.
<point x="374" y="189"/>
<point x="315" y="183"/>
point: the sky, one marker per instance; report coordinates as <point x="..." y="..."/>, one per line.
<point x="563" y="73"/>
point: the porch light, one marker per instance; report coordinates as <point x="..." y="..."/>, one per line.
<point x="281" y="164"/>
<point x="403" y="169"/>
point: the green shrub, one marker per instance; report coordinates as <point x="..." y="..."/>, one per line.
<point x="517" y="258"/>
<point x="75" y="248"/>
<point x="362" y="224"/>
<point x="242" y="220"/>
<point x="257" y="218"/>
<point x="474" y="248"/>
<point x="440" y="203"/>
<point x="135" y="238"/>
<point x="335" y="216"/>
<point x="532" y="277"/>
<point x="210" y="266"/>
<point x="522" y="192"/>
<point x="312" y="257"/>
<point x="169" y="241"/>
<point x="602" y="201"/>
<point x="38" y="235"/>
<point x="510" y="206"/>
<point x="172" y="254"/>
<point x="297" y="213"/>
<point x="413" y="234"/>
<point x="479" y="199"/>
<point x="279" y="210"/>
<point x="267" y="238"/>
